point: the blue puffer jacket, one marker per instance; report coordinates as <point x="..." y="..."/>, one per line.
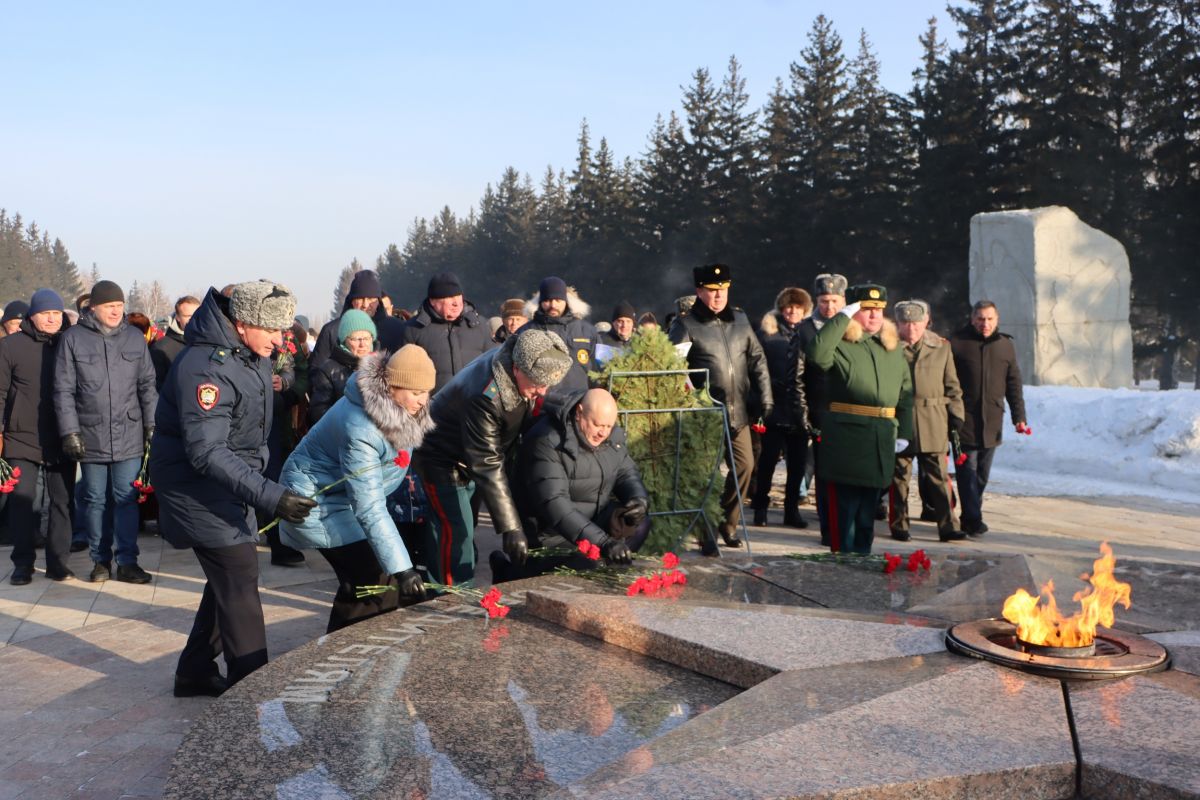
<point x="359" y="437"/>
<point x="210" y="441"/>
<point x="104" y="389"/>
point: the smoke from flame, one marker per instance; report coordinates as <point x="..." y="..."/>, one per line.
<point x="1039" y="621"/>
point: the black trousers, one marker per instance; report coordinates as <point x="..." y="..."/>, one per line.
<point x="794" y="447"/>
<point x="355" y="565"/>
<point x="229" y="620"/>
<point x="59" y="481"/>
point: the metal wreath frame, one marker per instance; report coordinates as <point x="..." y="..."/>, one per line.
<point x="717" y="407"/>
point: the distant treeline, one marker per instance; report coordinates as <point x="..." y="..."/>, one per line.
<point x="1049" y="102"/>
<point x="29" y="260"/>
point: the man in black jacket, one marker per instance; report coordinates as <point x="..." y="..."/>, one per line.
<point x="572" y="464"/>
<point x="479" y="415"/>
<point x="163" y="351"/>
<point x="986" y="362"/>
<point x="723" y="342"/>
<point x="366" y="294"/>
<point x="448" y="328"/>
<point x="560" y="311"/>
<point x="30" y="439"/>
<point x="104" y="400"/>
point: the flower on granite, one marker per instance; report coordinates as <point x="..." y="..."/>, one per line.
<point x="491" y="602"/>
<point x="402" y="458"/>
<point x="918" y="559"/>
<point x="670" y="560"/>
<point x="588" y="549"/>
<point x="891" y="562"/>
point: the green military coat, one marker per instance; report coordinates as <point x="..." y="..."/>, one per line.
<point x="937" y="397"/>
<point x="866" y="371"/>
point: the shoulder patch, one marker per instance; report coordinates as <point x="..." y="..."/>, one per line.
<point x="582" y="355"/>
<point x="207" y="395"/>
<point x="491" y="390"/>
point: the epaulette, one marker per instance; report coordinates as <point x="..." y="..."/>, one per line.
<point x="219" y="355"/>
<point x="491" y="390"/>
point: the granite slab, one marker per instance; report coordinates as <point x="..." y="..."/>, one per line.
<point x="1184" y="647"/>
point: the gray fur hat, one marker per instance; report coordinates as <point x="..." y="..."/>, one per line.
<point x="263" y="303"/>
<point x="829" y="283"/>
<point x="911" y="310"/>
<point x="542" y="356"/>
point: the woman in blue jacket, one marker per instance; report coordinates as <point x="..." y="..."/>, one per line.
<point x="366" y="438"/>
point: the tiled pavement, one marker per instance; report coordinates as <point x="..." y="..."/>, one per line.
<point x="85" y="669"/>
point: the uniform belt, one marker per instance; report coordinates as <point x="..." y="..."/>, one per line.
<point x="862" y="411"/>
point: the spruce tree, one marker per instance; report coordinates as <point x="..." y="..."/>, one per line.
<point x="342" y="290"/>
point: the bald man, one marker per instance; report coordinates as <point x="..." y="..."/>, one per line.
<point x="579" y="484"/>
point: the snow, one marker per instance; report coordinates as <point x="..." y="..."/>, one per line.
<point x="1103" y="442"/>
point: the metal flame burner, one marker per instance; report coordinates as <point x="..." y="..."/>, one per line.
<point x="1117" y="654"/>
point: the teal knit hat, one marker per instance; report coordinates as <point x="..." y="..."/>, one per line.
<point x="354" y="320"/>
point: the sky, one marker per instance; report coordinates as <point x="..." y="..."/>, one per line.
<point x="207" y="143"/>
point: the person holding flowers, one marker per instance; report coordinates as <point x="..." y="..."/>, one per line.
<point x="349" y="463"/>
<point x="29" y="441"/>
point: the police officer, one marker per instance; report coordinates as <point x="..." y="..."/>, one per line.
<point x="869" y="416"/>
<point x="479" y="414"/>
<point x="209" y="453"/>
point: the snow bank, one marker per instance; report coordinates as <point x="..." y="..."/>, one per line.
<point x="1094" y="442"/>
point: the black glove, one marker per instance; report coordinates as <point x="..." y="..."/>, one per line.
<point x="516" y="547"/>
<point x="147" y="434"/>
<point x="767" y="412"/>
<point x="72" y="446"/>
<point x="409" y="584"/>
<point x="633" y="512"/>
<point x="615" y="552"/>
<point x="294" y="508"/>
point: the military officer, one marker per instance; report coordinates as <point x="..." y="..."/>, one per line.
<point x="937" y="410"/>
<point x="869" y="416"/>
<point x="207" y="462"/>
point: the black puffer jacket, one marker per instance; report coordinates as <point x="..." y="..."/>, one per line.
<point x="164" y="351"/>
<point x="478" y="416"/>
<point x="210" y="441"/>
<point x="104" y="389"/>
<point x="989" y="374"/>
<point x="580" y="338"/>
<point x="566" y="482"/>
<point x="776" y="337"/>
<point x="328" y="382"/>
<point x="451" y="345"/>
<point x="727" y="347"/>
<point x="27" y="394"/>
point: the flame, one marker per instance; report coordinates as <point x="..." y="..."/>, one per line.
<point x="1039" y="621"/>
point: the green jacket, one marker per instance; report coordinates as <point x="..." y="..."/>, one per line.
<point x="866" y="371"/>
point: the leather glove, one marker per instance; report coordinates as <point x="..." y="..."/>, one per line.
<point x="294" y="508"/>
<point x="147" y="433"/>
<point x="72" y="446"/>
<point x="633" y="512"/>
<point x="767" y="411"/>
<point x="516" y="547"/>
<point x="408" y="584"/>
<point x="616" y="552"/>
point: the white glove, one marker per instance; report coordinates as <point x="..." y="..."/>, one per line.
<point x="901" y="445"/>
<point x="851" y="309"/>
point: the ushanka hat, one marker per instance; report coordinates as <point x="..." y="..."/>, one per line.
<point x="829" y="283"/>
<point x="792" y="296"/>
<point x="867" y="295"/>
<point x="911" y="311"/>
<point x="512" y="307"/>
<point x="542" y="356"/>
<point x="265" y="304"/>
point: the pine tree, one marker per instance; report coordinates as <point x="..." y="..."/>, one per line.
<point x="342" y="290"/>
<point x="734" y="169"/>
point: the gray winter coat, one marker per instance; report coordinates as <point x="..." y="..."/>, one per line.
<point x="451" y="345"/>
<point x="104" y="389"/>
<point x="567" y="483"/>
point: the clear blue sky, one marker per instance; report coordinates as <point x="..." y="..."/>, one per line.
<point x="206" y="143"/>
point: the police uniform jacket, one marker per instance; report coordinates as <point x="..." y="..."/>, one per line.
<point x="567" y="483"/>
<point x="937" y="397"/>
<point x="210" y="439"/>
<point x="478" y="416"/>
<point x="104" y="389"/>
<point x="451" y="345"/>
<point x="727" y="346"/>
<point x="989" y="374"/>
<point x="869" y="371"/>
<point x="580" y="338"/>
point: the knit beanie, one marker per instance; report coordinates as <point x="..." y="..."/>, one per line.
<point x="106" y="292"/>
<point x="542" y="356"/>
<point x="624" y="309"/>
<point x="552" y="288"/>
<point x="411" y="368"/>
<point x="265" y="304"/>
<point x="354" y="320"/>
<point x="45" y="300"/>
<point x="17" y="309"/>
<point x="444" y="284"/>
<point x="364" y="284"/>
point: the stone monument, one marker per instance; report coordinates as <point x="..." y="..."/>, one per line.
<point x="1062" y="289"/>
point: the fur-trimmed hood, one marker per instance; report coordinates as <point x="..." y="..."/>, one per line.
<point x="368" y="388"/>
<point x="506" y="385"/>
<point x="575" y="305"/>
<point x="772" y="323"/>
<point x="888" y="336"/>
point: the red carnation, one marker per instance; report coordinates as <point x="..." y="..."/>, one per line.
<point x="670" y="561"/>
<point x="402" y="458"/>
<point x="16" y="472"/>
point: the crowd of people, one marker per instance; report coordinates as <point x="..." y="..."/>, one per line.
<point x="377" y="440"/>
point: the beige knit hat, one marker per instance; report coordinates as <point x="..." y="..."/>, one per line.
<point x="411" y="368"/>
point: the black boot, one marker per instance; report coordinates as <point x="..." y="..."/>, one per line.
<point x="792" y="518"/>
<point x="760" y="517"/>
<point x="281" y="554"/>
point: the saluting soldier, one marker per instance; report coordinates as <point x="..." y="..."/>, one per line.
<point x="869" y="416"/>
<point x="937" y="410"/>
<point x="207" y="462"/>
